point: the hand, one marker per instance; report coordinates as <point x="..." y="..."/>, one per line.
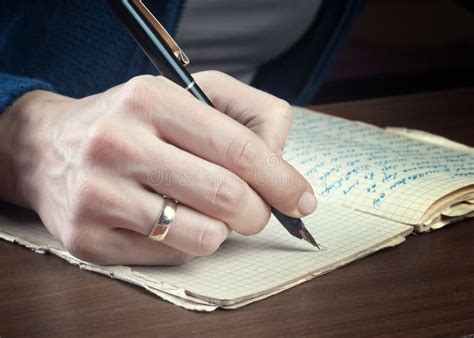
<point x="94" y="169"/>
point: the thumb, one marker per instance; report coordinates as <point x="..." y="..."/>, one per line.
<point x="266" y="115"/>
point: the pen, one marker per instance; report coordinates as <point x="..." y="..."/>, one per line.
<point x="170" y="60"/>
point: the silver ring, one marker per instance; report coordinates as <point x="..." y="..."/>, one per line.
<point x="164" y="219"/>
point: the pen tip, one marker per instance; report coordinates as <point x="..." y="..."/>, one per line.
<point x="308" y="238"/>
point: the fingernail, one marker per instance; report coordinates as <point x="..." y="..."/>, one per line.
<point x="307" y="203"/>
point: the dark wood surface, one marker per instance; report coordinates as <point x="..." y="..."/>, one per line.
<point x="422" y="287"/>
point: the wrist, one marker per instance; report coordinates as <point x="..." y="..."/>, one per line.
<point x="22" y="128"/>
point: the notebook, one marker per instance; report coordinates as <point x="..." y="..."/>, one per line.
<point x="374" y="188"/>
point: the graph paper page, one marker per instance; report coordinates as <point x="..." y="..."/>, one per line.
<point x="251" y="266"/>
<point x="364" y="167"/>
<point x="244" y="268"/>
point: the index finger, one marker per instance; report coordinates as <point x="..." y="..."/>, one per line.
<point x="204" y="131"/>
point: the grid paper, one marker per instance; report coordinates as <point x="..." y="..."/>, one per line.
<point x="244" y="268"/>
<point x="250" y="266"/>
<point x="372" y="170"/>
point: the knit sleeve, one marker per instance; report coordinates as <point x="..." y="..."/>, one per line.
<point x="12" y="87"/>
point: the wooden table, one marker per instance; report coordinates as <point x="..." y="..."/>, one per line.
<point x="425" y="286"/>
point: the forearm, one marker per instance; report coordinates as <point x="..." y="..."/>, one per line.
<point x="19" y="150"/>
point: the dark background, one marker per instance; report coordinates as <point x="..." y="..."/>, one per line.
<point x="402" y="47"/>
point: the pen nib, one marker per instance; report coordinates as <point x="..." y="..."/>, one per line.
<point x="295" y="227"/>
<point x="308" y="238"/>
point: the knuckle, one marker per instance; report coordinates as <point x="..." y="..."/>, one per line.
<point x="136" y="92"/>
<point x="228" y="195"/>
<point x="212" y="81"/>
<point x="100" y="141"/>
<point x="104" y="145"/>
<point x="210" y="239"/>
<point x="284" y="111"/>
<point x="242" y="154"/>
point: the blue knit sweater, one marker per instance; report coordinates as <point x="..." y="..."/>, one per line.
<point x="78" y="48"/>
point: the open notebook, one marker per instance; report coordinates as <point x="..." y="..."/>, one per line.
<point x="374" y="187"/>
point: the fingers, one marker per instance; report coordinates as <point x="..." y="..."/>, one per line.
<point x="203" y="185"/>
<point x="195" y="233"/>
<point x="217" y="138"/>
<point x="191" y="231"/>
<point x="119" y="246"/>
<point x="266" y="115"/>
<point x="118" y="203"/>
<point x="100" y="208"/>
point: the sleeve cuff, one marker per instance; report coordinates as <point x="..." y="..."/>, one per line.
<point x="12" y="87"/>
